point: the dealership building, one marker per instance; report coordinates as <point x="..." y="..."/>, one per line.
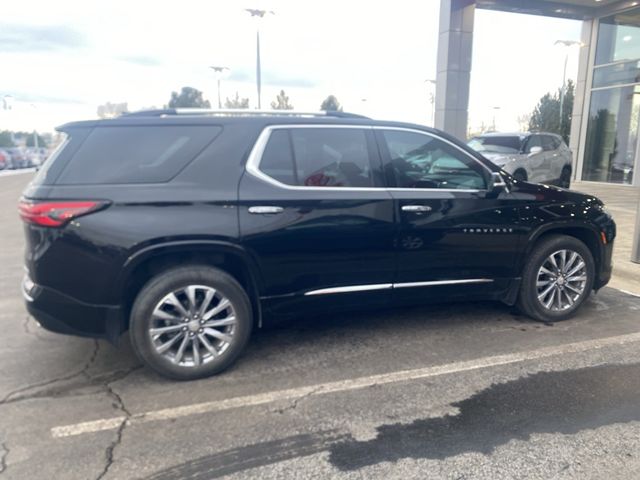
<point x="606" y="110"/>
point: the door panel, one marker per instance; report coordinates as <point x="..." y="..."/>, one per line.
<point x="535" y="164"/>
<point x="463" y="241"/>
<point x="321" y="237"/>
<point x="463" y="236"/>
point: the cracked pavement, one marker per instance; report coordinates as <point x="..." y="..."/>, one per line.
<point x="572" y="413"/>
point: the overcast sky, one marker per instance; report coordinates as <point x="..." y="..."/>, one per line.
<point x="60" y="60"/>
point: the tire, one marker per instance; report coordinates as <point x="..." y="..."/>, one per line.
<point x="565" y="178"/>
<point x="520" y="175"/>
<point x="528" y="300"/>
<point x="155" y="307"/>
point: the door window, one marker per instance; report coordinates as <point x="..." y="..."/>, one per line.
<point x="534" y="141"/>
<point x="548" y="143"/>
<point x="422" y="161"/>
<point x="318" y="157"/>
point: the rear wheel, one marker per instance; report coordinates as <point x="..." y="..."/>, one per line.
<point x="557" y="279"/>
<point x="190" y="322"/>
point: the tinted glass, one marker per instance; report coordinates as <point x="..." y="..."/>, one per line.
<point x="70" y="140"/>
<point x="423" y="161"/>
<point x="277" y="158"/>
<point x="533" y="141"/>
<point x="617" y="74"/>
<point x="132" y="154"/>
<point x="619" y="37"/>
<point x="42" y="176"/>
<point x="548" y="143"/>
<point x="331" y="157"/>
<point x="612" y="135"/>
<point x="496" y="144"/>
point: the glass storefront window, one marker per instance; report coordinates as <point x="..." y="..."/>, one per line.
<point x="619" y="37"/>
<point x="617" y="74"/>
<point x="612" y="135"/>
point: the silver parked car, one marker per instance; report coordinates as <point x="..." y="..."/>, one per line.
<point x="533" y="157"/>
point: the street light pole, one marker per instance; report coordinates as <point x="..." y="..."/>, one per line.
<point x="219" y="71"/>
<point x="563" y="90"/>
<point x="258" y="14"/>
<point x="495" y="109"/>
<point x="432" y="100"/>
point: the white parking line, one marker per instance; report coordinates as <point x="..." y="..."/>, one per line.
<point x="339" y="386"/>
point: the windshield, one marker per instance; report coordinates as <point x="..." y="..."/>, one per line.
<point x="495" y="144"/>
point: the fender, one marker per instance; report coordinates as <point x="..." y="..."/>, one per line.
<point x="194" y="246"/>
<point x="560" y="225"/>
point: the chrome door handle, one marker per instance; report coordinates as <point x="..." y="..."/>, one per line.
<point x="265" y="210"/>
<point x="416" y="208"/>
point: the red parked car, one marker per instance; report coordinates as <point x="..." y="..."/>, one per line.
<point x="4" y="160"/>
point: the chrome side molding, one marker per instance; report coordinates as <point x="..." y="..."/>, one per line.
<point x="386" y="286"/>
<point x="351" y="288"/>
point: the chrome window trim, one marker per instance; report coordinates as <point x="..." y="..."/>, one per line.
<point x="255" y="156"/>
<point x="387" y="286"/>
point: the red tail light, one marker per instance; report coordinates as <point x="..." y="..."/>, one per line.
<point x="56" y="214"/>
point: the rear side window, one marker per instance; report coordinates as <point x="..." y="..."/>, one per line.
<point x="136" y="154"/>
<point x="277" y="158"/>
<point x="318" y="157"/>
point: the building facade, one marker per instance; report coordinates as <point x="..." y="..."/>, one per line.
<point x="605" y="121"/>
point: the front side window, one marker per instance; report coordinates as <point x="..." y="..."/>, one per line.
<point x="548" y="143"/>
<point x="534" y="141"/>
<point x="422" y="161"/>
<point x="318" y="157"/>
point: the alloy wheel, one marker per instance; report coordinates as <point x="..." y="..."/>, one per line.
<point x="193" y="325"/>
<point x="561" y="280"/>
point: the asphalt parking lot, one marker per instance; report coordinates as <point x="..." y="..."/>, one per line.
<point x="458" y="391"/>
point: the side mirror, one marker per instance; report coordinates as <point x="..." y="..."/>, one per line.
<point x="497" y="183"/>
<point x="535" y="151"/>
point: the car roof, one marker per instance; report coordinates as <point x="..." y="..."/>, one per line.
<point x="513" y="134"/>
<point x="257" y="119"/>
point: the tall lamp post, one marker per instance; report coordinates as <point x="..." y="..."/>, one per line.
<point x="432" y="100"/>
<point x="219" y="72"/>
<point x="495" y="110"/>
<point x="259" y="15"/>
<point x="566" y="44"/>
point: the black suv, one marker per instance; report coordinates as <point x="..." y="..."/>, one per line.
<point x="189" y="228"/>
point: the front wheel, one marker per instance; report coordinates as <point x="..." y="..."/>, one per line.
<point x="190" y="322"/>
<point x="558" y="277"/>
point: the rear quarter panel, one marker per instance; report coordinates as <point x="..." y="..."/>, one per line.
<point x="85" y="258"/>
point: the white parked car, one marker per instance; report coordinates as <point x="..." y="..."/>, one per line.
<point x="532" y="157"/>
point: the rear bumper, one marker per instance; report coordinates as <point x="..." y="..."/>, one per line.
<point x="60" y="313"/>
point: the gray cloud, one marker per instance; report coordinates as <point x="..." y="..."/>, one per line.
<point x="271" y="78"/>
<point x="36" y="98"/>
<point x="39" y="38"/>
<point x="142" y="60"/>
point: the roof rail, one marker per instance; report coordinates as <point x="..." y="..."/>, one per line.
<point x="239" y="112"/>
